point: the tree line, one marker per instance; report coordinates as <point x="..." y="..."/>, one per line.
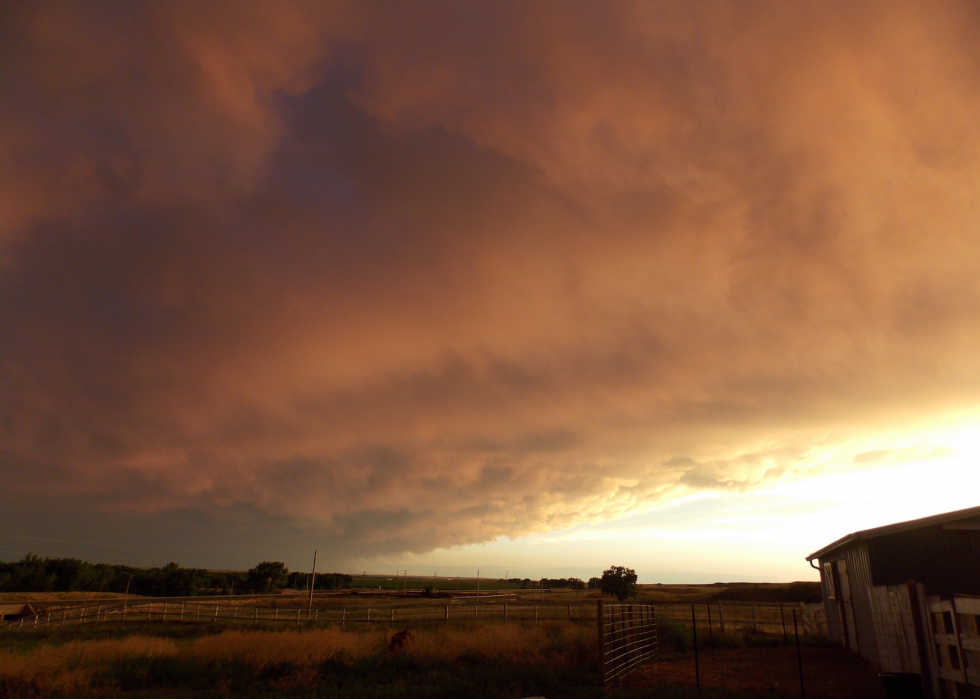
<point x="36" y="574"/>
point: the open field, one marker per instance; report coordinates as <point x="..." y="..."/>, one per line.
<point x="366" y="608"/>
<point x="447" y="587"/>
<point x="275" y="645"/>
<point x="553" y="659"/>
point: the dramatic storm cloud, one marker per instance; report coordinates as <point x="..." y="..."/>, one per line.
<point x="419" y="275"/>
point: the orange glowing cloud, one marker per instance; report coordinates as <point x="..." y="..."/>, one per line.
<point x="480" y="271"/>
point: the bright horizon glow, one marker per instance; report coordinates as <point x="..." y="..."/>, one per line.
<point x="758" y="536"/>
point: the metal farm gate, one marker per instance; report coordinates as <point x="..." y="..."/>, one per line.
<point x="627" y="638"/>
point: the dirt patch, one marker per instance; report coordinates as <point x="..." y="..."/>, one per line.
<point x="828" y="673"/>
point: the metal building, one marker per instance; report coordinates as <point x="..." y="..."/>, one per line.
<point x="941" y="554"/>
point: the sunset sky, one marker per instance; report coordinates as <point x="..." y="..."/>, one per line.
<point x="537" y="287"/>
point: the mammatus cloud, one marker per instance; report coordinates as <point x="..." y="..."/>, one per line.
<point x="422" y="276"/>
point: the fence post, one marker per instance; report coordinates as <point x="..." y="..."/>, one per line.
<point x="392" y="620"/>
<point x="602" y="644"/>
<point x="447" y="613"/>
<point x="181" y="616"/>
<point x="165" y="606"/>
<point x="215" y="613"/>
<point x="799" y="655"/>
<point x="505" y="612"/>
<point x="343" y="618"/>
<point x="255" y="615"/>
<point x="535" y="612"/>
<point x="711" y="631"/>
<point x="721" y="619"/>
<point x="297" y="617"/>
<point x="782" y="618"/>
<point x="369" y="615"/>
<point x="697" y="662"/>
<point x="755" y="624"/>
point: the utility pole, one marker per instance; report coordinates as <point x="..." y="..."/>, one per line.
<point x="506" y="580"/>
<point x="477" y="587"/>
<point x="312" y="583"/>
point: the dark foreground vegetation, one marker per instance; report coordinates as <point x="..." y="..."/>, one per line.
<point x="35" y="574"/>
<point x="204" y="660"/>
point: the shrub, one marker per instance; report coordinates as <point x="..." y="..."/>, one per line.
<point x="673" y="636"/>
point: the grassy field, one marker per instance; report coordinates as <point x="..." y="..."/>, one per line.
<point x="461" y="659"/>
<point x="446" y="587"/>
<point x="199" y="660"/>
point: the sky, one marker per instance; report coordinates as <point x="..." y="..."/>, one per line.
<point x="535" y="288"/>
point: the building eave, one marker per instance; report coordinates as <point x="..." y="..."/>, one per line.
<point x="935" y="520"/>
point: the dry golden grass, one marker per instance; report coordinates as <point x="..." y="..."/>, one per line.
<point x="73" y="666"/>
<point x="70" y="667"/>
<point x="260" y="649"/>
<point x="510" y="642"/>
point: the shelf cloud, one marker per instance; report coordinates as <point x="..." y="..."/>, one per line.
<point x="422" y="275"/>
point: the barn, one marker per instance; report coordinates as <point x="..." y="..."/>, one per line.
<point x="873" y="609"/>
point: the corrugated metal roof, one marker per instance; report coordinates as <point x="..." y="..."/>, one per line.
<point x="948" y="517"/>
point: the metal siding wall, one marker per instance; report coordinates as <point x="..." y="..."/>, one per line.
<point x="834" y="632"/>
<point x="947" y="562"/>
<point x="859" y="575"/>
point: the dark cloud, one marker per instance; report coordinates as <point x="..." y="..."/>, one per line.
<point x="407" y="277"/>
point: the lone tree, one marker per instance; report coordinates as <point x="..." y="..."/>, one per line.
<point x="268" y="576"/>
<point x="619" y="581"/>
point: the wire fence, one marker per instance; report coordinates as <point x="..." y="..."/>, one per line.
<point x="184" y="612"/>
<point x="772" y="618"/>
<point x="721" y="618"/>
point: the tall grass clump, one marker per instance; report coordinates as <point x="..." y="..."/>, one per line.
<point x="673" y="636"/>
<point x="74" y="667"/>
<point x="243" y="661"/>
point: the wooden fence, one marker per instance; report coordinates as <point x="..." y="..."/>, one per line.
<point x="956" y="637"/>
<point x="302" y="616"/>
<point x="727" y="617"/>
<point x="930" y="642"/>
